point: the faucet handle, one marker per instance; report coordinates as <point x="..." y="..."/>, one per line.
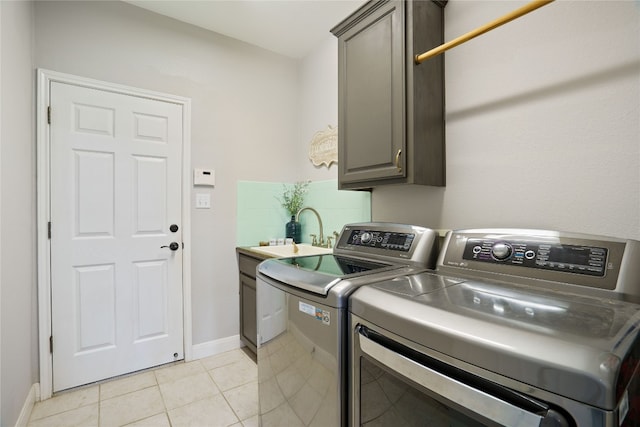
<point x="329" y="242"/>
<point x="314" y="241"/>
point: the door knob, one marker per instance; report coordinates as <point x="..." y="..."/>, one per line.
<point x="173" y="246"/>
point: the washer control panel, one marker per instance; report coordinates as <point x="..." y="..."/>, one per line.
<point x="589" y="260"/>
<point x="401" y="244"/>
<point x="388" y="240"/>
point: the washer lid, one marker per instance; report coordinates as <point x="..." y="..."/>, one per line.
<point x="319" y="273"/>
<point x="567" y="344"/>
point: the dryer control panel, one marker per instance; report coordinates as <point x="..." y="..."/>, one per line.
<point x="543" y="256"/>
<point x="579" y="259"/>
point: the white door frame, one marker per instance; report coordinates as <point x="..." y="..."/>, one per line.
<point x="45" y="77"/>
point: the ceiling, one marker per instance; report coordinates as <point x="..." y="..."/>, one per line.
<point x="289" y="27"/>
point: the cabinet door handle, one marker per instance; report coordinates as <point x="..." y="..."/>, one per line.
<point x="398" y="160"/>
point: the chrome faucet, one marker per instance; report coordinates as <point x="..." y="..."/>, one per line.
<point x="315" y="242"/>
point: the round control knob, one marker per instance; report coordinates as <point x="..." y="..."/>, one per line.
<point x="501" y="251"/>
<point x="365" y="237"/>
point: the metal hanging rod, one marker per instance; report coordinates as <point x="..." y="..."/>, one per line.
<point x="529" y="7"/>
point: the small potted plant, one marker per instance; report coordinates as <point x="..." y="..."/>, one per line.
<point x="293" y="200"/>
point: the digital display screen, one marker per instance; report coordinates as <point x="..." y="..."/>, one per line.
<point x="576" y="259"/>
<point x="577" y="255"/>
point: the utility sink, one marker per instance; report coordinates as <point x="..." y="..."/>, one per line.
<point x="285" y="251"/>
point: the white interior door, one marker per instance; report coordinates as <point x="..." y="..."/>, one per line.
<point x="116" y="288"/>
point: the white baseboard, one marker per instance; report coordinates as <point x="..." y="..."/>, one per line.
<point x="211" y="348"/>
<point x="32" y="398"/>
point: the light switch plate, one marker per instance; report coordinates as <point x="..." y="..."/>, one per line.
<point x="203" y="201"/>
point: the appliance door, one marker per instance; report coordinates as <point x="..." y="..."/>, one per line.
<point x="319" y="273"/>
<point x="300" y="358"/>
<point x="393" y="384"/>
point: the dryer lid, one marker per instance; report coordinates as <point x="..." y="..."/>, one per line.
<point x="567" y="344"/>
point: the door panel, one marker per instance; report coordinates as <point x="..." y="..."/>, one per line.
<point x="93" y="200"/>
<point x="150" y="195"/>
<point x="150" y="300"/>
<point x="94" y="306"/>
<point x="116" y="188"/>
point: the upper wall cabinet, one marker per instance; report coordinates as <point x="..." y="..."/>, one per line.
<point x="390" y="110"/>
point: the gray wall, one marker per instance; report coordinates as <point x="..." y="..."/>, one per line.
<point x="18" y="335"/>
<point x="543" y="123"/>
<point x="243" y="115"/>
<point x="318" y="104"/>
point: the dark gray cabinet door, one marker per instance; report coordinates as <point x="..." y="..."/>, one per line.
<point x="249" y="331"/>
<point x="390" y="110"/>
<point x="247" y="273"/>
<point x="371" y="97"/>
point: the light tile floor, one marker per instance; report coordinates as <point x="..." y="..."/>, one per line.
<point x="221" y="390"/>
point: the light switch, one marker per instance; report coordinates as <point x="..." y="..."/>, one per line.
<point x="203" y="201"/>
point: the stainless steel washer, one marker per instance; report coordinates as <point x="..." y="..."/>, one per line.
<point x="515" y="327"/>
<point x="302" y="318"/>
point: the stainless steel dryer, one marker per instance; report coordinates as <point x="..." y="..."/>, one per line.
<point x="516" y="328"/>
<point x="302" y="318"/>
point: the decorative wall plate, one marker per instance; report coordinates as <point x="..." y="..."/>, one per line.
<point x="324" y="147"/>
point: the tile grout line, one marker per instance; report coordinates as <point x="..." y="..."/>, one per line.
<point x="63" y="393"/>
<point x="224" y="396"/>
<point x="164" y="402"/>
<point x="231" y="406"/>
<point x="156" y="384"/>
<point x="100" y="390"/>
<point x="166" y="410"/>
<point x="99" y="404"/>
<point x="206" y="371"/>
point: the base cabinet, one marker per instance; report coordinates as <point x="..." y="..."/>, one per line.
<point x="248" y="325"/>
<point x="390" y="109"/>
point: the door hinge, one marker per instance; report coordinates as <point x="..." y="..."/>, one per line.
<point x="51" y="344"/>
<point x="49" y="230"/>
<point x="49" y="114"/>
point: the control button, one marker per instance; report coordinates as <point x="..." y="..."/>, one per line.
<point x="501" y="251"/>
<point x="365" y="237"/>
<point x="477" y="249"/>
<point x="530" y="255"/>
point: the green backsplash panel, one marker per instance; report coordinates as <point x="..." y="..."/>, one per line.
<point x="261" y="217"/>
